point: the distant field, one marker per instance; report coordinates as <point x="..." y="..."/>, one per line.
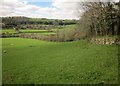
<point x="8" y="30"/>
<point x="33" y="31"/>
<point x="71" y="26"/>
<point x="42" y="32"/>
<point x="31" y="61"/>
<point x="25" y="31"/>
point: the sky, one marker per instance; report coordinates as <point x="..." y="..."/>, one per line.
<point x="53" y="9"/>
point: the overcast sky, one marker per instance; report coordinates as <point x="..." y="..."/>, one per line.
<point x="57" y="9"/>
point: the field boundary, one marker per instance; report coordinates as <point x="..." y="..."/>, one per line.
<point x="105" y="41"/>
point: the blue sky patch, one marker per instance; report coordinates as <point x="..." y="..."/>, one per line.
<point x="41" y="4"/>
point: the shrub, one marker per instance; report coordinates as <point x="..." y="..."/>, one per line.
<point x="68" y="35"/>
<point x="62" y="35"/>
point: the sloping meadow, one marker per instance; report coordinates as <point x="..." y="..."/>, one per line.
<point x="29" y="61"/>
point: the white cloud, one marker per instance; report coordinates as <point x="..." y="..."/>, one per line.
<point x="86" y="0"/>
<point x="67" y="9"/>
<point x="60" y="10"/>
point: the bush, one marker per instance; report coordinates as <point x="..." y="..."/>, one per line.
<point x="39" y="37"/>
<point x="61" y="36"/>
<point x="8" y="35"/>
<point x="68" y="35"/>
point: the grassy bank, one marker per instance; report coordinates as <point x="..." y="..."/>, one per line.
<point x="32" y="61"/>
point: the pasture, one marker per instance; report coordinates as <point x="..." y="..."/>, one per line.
<point x="78" y="45"/>
<point x="27" y="31"/>
<point x="29" y="61"/>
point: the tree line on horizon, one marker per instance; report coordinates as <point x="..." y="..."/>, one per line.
<point x="17" y="22"/>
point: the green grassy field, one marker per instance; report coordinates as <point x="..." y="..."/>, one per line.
<point x="8" y="31"/>
<point x="41" y="32"/>
<point x="25" y="31"/>
<point x="31" y="61"/>
<point x="38" y="31"/>
<point x="71" y="26"/>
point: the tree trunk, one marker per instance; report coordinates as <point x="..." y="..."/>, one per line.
<point x="119" y="26"/>
<point x="113" y="28"/>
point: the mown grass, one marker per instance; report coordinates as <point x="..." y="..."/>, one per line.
<point x="8" y="31"/>
<point x="25" y="31"/>
<point x="44" y="32"/>
<point x="41" y="32"/>
<point x="28" y="61"/>
<point x="71" y="26"/>
<point x="38" y="32"/>
<point x="33" y="31"/>
<point x="48" y="33"/>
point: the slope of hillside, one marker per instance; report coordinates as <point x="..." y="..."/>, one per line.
<point x="28" y="61"/>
